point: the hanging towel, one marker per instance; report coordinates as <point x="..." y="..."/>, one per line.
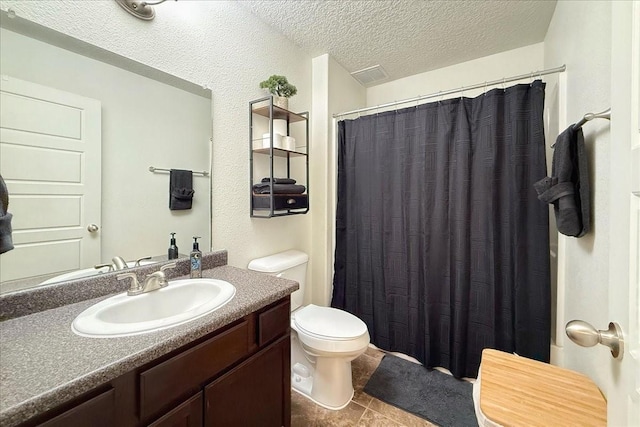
<point x="6" y="243"/>
<point x="568" y="186"/>
<point x="180" y="189"/>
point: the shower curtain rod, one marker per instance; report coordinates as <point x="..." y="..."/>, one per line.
<point x="533" y="74"/>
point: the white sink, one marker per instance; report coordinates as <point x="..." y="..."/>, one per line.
<point x="87" y="272"/>
<point x="180" y="302"/>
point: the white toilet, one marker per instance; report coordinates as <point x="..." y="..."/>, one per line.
<point x="324" y="340"/>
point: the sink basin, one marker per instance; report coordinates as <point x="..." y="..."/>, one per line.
<point x="180" y="302"/>
<point x="87" y="272"/>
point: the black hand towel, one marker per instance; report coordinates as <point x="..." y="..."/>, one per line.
<point x="568" y="187"/>
<point x="6" y="243"/>
<point x="280" y="180"/>
<point x="264" y="188"/>
<point x="180" y="189"/>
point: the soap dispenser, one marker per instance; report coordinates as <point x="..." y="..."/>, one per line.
<point x="196" y="260"/>
<point x="173" y="249"/>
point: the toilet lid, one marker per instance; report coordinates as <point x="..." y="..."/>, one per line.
<point x="329" y="323"/>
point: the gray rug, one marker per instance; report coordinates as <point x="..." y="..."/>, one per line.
<point x="427" y="393"/>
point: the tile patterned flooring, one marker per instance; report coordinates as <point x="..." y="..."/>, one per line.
<point x="363" y="410"/>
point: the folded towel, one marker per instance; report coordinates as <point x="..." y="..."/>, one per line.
<point x="180" y="189"/>
<point x="280" y="180"/>
<point x="568" y="187"/>
<point x="6" y="243"/>
<point x="264" y="188"/>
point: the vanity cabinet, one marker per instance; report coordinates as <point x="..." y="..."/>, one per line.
<point x="270" y="128"/>
<point x="235" y="376"/>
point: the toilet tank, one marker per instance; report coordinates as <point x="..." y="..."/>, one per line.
<point x="290" y="265"/>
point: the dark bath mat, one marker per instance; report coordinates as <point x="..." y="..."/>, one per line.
<point x="427" y="393"/>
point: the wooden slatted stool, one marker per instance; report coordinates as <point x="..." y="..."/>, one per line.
<point x="516" y="391"/>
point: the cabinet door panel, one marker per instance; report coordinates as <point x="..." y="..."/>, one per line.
<point x="188" y="414"/>
<point x="185" y="373"/>
<point x="95" y="412"/>
<point x="255" y="393"/>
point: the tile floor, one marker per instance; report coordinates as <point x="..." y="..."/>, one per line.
<point x="363" y="410"/>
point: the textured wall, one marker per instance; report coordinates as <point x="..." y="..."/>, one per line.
<point x="334" y="91"/>
<point x="213" y="43"/>
<point x="580" y="36"/>
<point x="492" y="67"/>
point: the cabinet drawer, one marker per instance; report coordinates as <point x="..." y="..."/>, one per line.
<point x="281" y="201"/>
<point x="185" y="373"/>
<point x="97" y="412"/>
<point x="274" y="322"/>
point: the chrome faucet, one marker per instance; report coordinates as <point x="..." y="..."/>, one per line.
<point x="119" y="263"/>
<point x="152" y="282"/>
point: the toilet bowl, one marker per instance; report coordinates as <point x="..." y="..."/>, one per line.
<point x="324" y="340"/>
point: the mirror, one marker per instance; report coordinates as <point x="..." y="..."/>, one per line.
<point x="140" y="117"/>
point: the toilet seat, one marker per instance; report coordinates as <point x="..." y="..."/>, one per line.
<point x="329" y="323"/>
<point x="329" y="330"/>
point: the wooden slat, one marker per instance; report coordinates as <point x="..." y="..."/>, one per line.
<point x="516" y="391"/>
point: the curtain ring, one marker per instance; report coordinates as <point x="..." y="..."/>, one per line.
<point x="503" y="81"/>
<point x="485" y="87"/>
<point x="540" y="75"/>
<point x="461" y="92"/>
<point x="439" y="96"/>
<point x="417" y="101"/>
<point x="531" y="79"/>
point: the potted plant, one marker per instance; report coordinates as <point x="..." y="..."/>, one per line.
<point x="281" y="90"/>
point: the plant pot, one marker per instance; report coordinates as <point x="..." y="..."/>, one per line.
<point x="281" y="101"/>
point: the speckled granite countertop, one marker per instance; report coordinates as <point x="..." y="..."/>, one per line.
<point x="43" y="363"/>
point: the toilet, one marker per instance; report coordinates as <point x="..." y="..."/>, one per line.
<point x="324" y="340"/>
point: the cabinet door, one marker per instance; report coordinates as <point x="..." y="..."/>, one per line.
<point x="256" y="393"/>
<point x="188" y="414"/>
<point x="96" y="412"/>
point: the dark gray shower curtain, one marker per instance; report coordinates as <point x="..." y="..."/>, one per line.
<point x="442" y="246"/>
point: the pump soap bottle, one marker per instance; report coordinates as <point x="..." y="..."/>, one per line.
<point x="173" y="249"/>
<point x="196" y="260"/>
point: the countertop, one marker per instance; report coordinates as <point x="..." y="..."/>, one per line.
<point x="43" y="363"/>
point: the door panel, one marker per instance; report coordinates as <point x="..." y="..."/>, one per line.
<point x="50" y="150"/>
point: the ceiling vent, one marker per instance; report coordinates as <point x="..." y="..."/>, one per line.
<point x="370" y="75"/>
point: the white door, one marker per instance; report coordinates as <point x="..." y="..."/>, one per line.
<point x="50" y="149"/>
<point x="623" y="394"/>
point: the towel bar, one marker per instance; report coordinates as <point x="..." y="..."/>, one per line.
<point x="606" y="114"/>
<point x="154" y="169"/>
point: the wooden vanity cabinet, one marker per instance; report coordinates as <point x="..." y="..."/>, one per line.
<point x="235" y="376"/>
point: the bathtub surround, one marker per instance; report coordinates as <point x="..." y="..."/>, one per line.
<point x="441" y="242"/>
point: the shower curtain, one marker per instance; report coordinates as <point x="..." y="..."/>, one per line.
<point x="442" y="247"/>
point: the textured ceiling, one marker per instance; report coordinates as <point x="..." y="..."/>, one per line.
<point x="406" y="37"/>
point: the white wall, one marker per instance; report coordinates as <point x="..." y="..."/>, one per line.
<point x="334" y="91"/>
<point x="140" y="126"/>
<point x="580" y="37"/>
<point x="213" y="43"/>
<point x="510" y="63"/>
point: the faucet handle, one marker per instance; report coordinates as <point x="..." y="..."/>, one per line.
<point x="99" y="266"/>
<point x="137" y="264"/>
<point x="135" y="287"/>
<point x="168" y="266"/>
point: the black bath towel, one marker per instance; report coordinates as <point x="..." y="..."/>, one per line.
<point x="568" y="186"/>
<point x="180" y="189"/>
<point x="6" y="242"/>
<point x="264" y="188"/>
